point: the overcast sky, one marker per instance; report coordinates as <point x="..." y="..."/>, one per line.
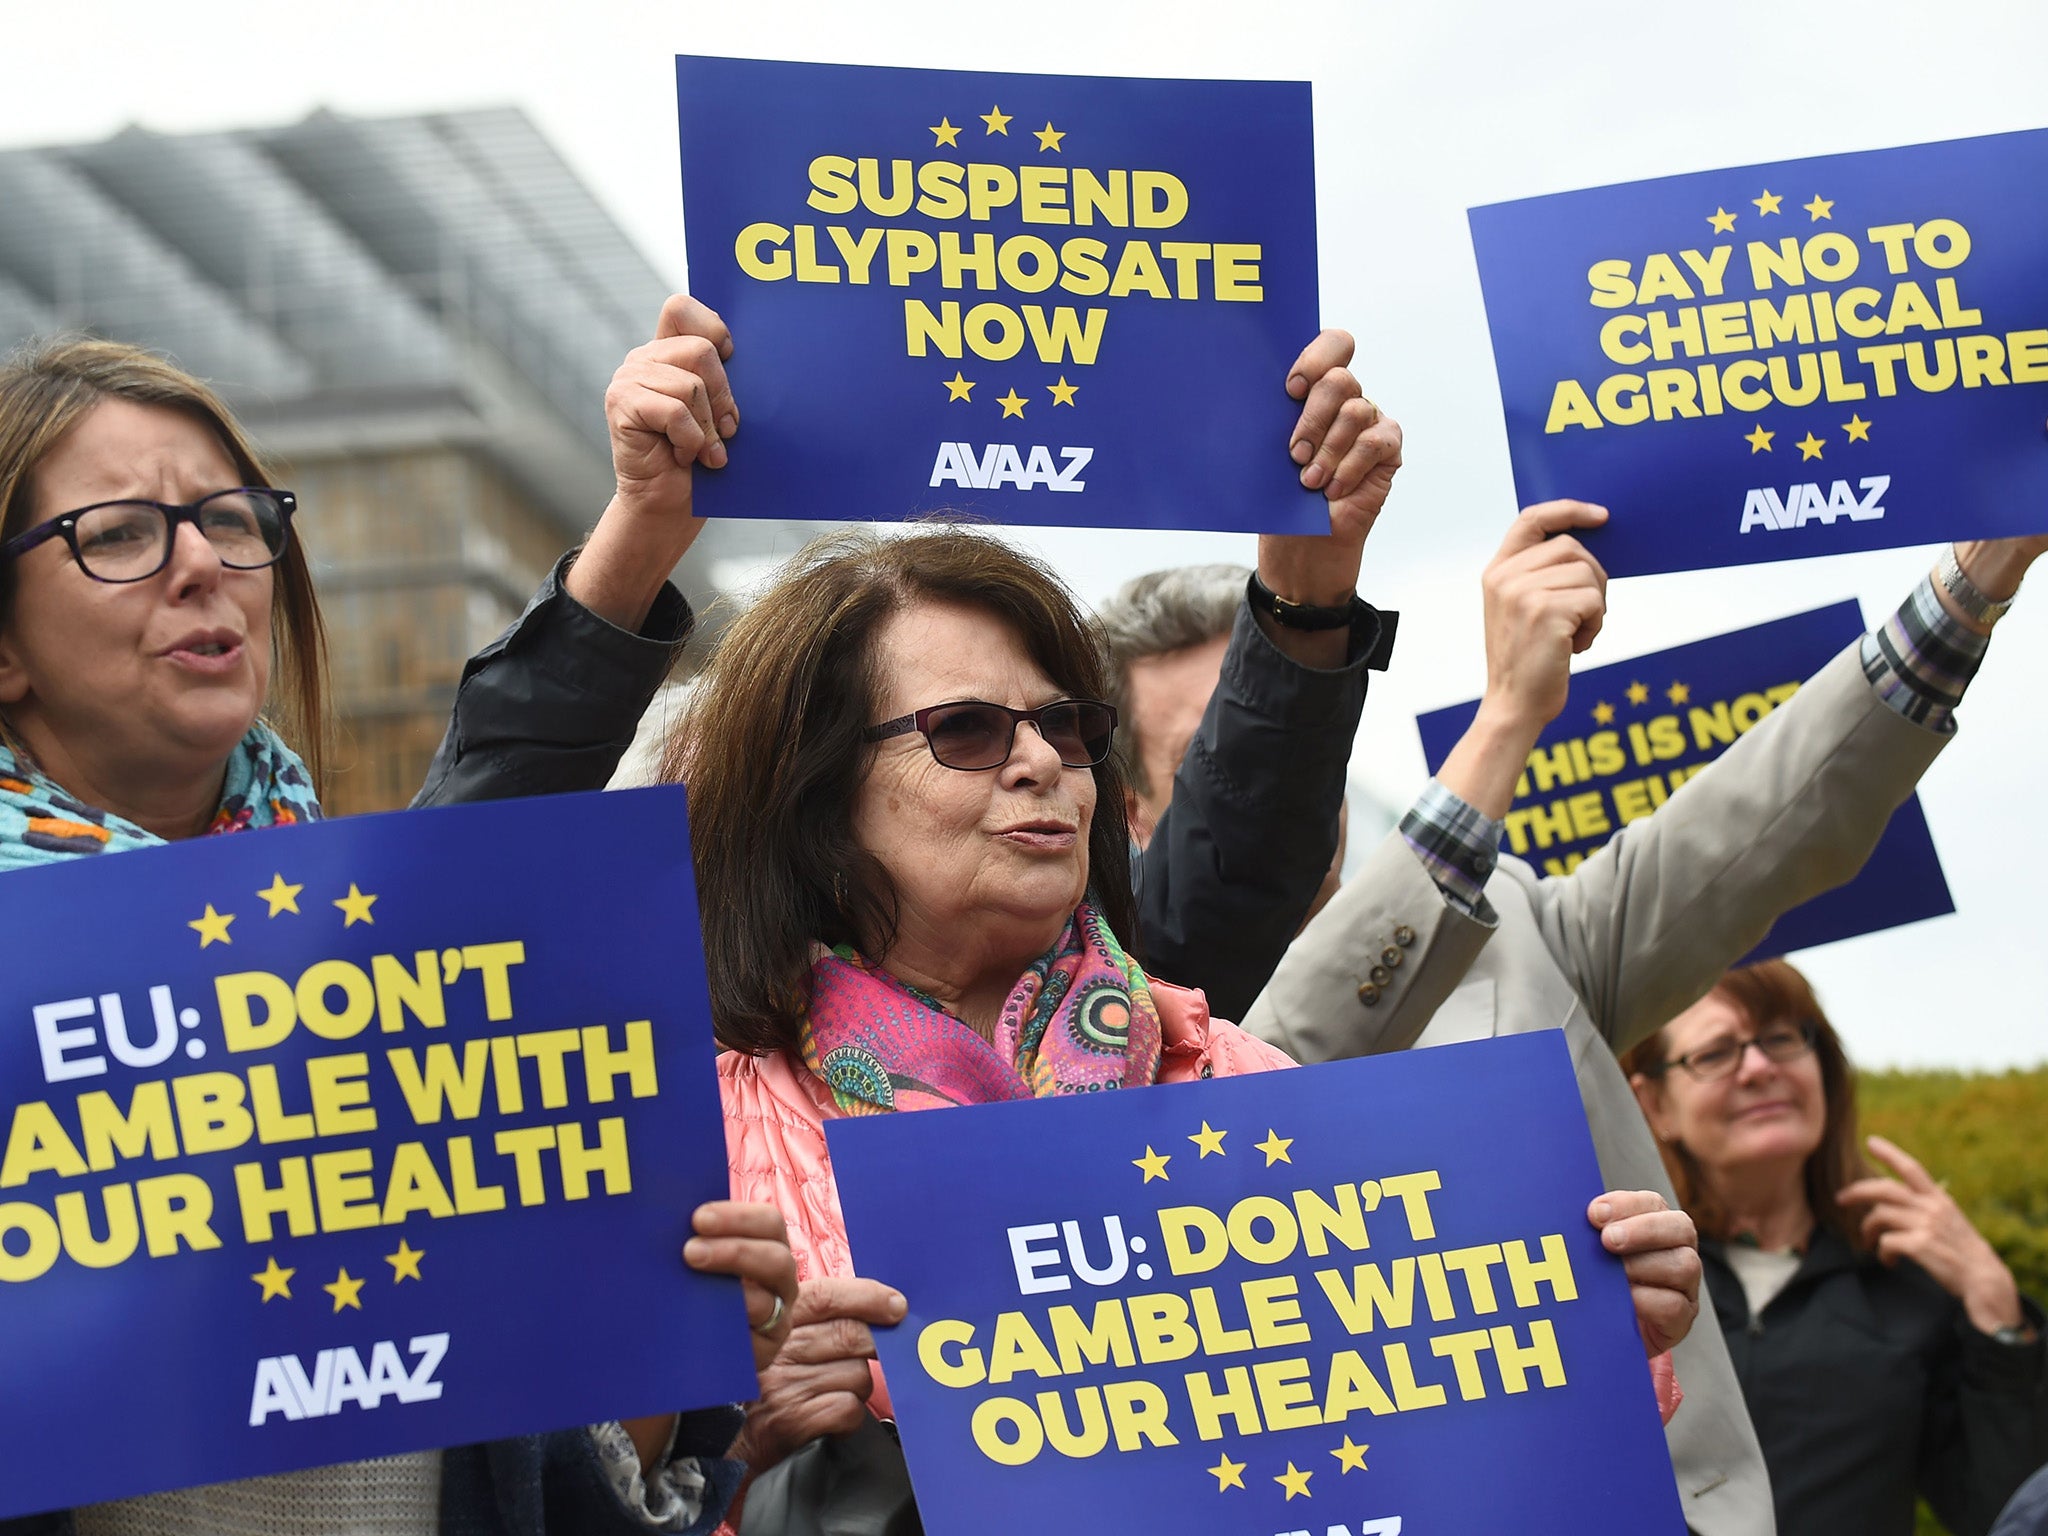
<point x="1422" y="110"/>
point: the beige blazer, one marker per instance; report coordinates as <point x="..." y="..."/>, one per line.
<point x="1638" y="933"/>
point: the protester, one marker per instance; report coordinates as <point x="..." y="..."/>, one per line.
<point x="1883" y="1347"/>
<point x="149" y="586"/>
<point x="1439" y="938"/>
<point x="912" y="860"/>
<point x="1171" y="636"/>
<point x="2027" y="1514"/>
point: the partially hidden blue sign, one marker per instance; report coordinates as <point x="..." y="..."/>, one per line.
<point x="1311" y="1300"/>
<point x="1633" y="732"/>
<point x="1038" y="299"/>
<point x="349" y="1139"/>
<point x="1804" y="358"/>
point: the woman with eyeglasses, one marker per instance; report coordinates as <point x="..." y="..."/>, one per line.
<point x="914" y="873"/>
<point x="1883" y="1348"/>
<point x="161" y="678"/>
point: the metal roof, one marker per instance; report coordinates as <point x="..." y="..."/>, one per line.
<point x="352" y="284"/>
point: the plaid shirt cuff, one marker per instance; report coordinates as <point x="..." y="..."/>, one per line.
<point x="1456" y="844"/>
<point x="1921" y="659"/>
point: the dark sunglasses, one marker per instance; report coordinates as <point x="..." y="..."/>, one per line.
<point x="972" y="735"/>
<point x="248" y="528"/>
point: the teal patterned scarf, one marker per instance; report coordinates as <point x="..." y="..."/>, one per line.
<point x="40" y="823"/>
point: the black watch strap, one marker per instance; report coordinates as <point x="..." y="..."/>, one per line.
<point x="1300" y="615"/>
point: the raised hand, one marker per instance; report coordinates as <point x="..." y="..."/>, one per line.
<point x="669" y="409"/>
<point x="1913" y="1217"/>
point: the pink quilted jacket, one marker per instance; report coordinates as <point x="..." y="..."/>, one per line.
<point x="776" y="1109"/>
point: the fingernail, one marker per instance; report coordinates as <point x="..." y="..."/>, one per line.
<point x="695" y="1249"/>
<point x="1302" y="451"/>
<point x="718" y="455"/>
<point x="1296" y="381"/>
<point x="897" y="1304"/>
<point x="1314" y="476"/>
<point x="728" y="424"/>
<point x="1602" y="1210"/>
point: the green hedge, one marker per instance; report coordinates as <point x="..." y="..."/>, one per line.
<point x="1982" y="1135"/>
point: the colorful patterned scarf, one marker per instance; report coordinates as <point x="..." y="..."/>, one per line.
<point x="266" y="786"/>
<point x="1081" y="1019"/>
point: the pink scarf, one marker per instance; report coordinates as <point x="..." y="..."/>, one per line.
<point x="1080" y="1019"/>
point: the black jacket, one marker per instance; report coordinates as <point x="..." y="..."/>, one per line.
<point x="1868" y="1385"/>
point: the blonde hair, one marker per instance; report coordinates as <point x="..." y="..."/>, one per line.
<point x="49" y="387"/>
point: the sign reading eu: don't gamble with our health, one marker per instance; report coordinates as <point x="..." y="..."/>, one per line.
<point x="1032" y="298"/>
<point x="1804" y="358"/>
<point x="1362" y="1297"/>
<point x="336" y="1141"/>
<point x="1632" y="733"/>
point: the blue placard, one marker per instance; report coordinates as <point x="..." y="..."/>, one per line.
<point x="1634" y="731"/>
<point x="349" y="1139"/>
<point x="1360" y="1297"/>
<point x="1033" y="298"/>
<point x="1805" y="358"/>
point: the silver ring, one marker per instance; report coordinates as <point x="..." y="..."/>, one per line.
<point x="774" y="1317"/>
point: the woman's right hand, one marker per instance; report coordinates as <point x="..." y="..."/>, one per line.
<point x="1546" y="598"/>
<point x="820" y="1382"/>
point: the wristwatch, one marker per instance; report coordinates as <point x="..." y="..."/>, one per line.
<point x="1964" y="592"/>
<point x="1301" y="615"/>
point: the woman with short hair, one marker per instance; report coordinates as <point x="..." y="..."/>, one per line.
<point x="914" y="873"/>
<point x="1884" y="1351"/>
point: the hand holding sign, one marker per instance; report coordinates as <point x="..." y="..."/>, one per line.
<point x="1546" y="598"/>
<point x="821" y="1384"/>
<point x="668" y="409"/>
<point x="1660" y="1256"/>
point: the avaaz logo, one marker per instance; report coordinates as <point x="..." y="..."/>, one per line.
<point x="1764" y="508"/>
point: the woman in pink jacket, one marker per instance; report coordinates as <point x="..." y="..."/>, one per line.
<point x="913" y="868"/>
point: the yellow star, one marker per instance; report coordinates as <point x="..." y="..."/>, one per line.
<point x="282" y="897"/>
<point x="1275" y="1147"/>
<point x="945" y="133"/>
<point x="1723" y="221"/>
<point x="346" y="1291"/>
<point x="1603" y="713"/>
<point x="1062" y="392"/>
<point x="1809" y="446"/>
<point x="998" y="121"/>
<point x="212" y="926"/>
<point x="355" y="907"/>
<point x="1638" y="693"/>
<point x="405" y="1264"/>
<point x="1049" y="138"/>
<point x="1154" y="1164"/>
<point x="1012" y="403"/>
<point x="1228" y="1474"/>
<point x="1820" y="208"/>
<point x="1678" y="693"/>
<point x="1209" y="1141"/>
<point x="1760" y="440"/>
<point x="959" y="387"/>
<point x="1768" y="203"/>
<point x="1858" y="429"/>
<point x="275" y="1281"/>
<point x="1294" y="1480"/>
<point x="1352" y="1457"/>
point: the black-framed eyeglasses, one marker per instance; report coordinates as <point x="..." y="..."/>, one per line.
<point x="972" y="734"/>
<point x="115" y="541"/>
<point x="1779" y="1043"/>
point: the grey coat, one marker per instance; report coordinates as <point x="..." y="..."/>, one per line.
<point x="1608" y="954"/>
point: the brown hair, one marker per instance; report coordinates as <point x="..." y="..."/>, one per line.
<point x="771" y="747"/>
<point x="1766" y="993"/>
<point x="47" y="389"/>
